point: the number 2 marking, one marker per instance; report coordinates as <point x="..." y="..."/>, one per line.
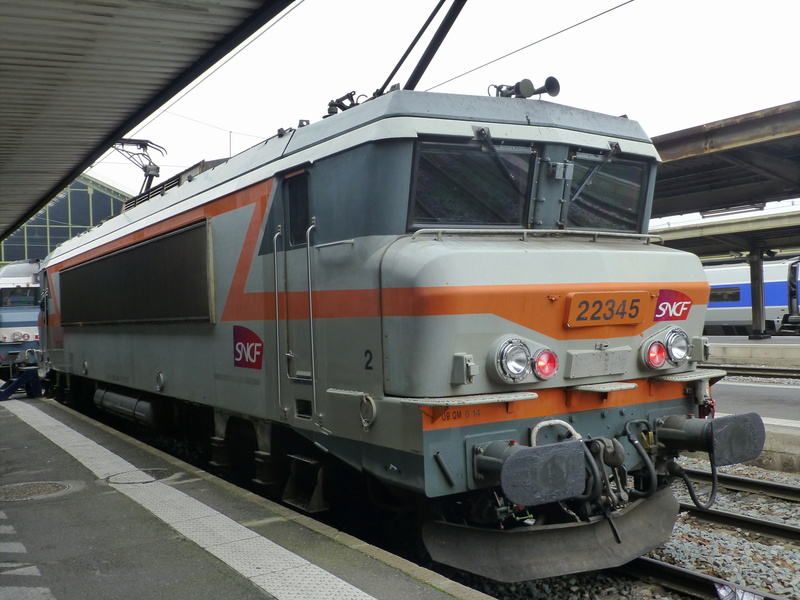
<point x="597" y="305"/>
<point x="368" y="356"/>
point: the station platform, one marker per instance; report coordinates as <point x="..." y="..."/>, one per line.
<point x="776" y="351"/>
<point x="87" y="512"/>
<point x="782" y="448"/>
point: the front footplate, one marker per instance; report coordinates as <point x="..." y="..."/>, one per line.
<point x="546" y="551"/>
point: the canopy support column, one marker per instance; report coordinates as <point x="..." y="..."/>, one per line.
<point x="756" y="262"/>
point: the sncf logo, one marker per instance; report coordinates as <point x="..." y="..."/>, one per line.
<point x="248" y="349"/>
<point x="672" y="306"/>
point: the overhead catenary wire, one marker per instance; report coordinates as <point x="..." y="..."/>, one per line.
<point x="166" y="109"/>
<point x="207" y="75"/>
<point x="547" y="37"/>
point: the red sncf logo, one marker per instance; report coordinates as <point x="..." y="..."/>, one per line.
<point x="672" y="305"/>
<point x="248" y="349"/>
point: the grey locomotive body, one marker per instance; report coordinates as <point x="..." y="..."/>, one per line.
<point x="455" y="296"/>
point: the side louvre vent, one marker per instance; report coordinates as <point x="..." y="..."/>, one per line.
<point x="163" y="279"/>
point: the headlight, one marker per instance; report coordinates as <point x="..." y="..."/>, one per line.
<point x="513" y="360"/>
<point x="678" y="346"/>
<point x="16" y="336"/>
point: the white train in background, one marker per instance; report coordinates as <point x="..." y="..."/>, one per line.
<point x="730" y="309"/>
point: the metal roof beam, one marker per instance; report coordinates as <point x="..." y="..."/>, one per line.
<point x="772" y="167"/>
<point x="769" y="125"/>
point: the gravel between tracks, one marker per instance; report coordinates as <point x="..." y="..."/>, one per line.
<point x="746" y="560"/>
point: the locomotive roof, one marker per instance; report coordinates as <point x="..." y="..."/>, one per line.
<point x="398" y="114"/>
<point x="19" y="273"/>
<point x="480" y="109"/>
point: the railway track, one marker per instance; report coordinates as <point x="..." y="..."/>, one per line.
<point x="686" y="581"/>
<point x="704" y="585"/>
<point x="764" y="527"/>
<point x="735" y="520"/>
<point x="748" y="484"/>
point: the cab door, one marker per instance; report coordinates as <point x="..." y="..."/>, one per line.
<point x="295" y="260"/>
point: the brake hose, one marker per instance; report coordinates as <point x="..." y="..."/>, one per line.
<point x="675" y="469"/>
<point x="651" y="470"/>
<point x="594" y="483"/>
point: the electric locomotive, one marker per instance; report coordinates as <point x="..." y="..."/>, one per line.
<point x="19" y="315"/>
<point x="453" y="296"/>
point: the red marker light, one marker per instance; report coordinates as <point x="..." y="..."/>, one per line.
<point x="656" y="355"/>
<point x="545" y="364"/>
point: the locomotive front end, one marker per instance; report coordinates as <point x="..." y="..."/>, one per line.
<point x="548" y="349"/>
<point x="19" y="313"/>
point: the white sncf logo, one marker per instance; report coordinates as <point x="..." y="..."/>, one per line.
<point x="248" y="349"/>
<point x="674" y="310"/>
<point x="672" y="305"/>
<point x="247" y="352"/>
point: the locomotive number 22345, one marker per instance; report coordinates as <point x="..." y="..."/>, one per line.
<point x="587" y="309"/>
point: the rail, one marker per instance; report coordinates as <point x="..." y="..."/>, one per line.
<point x="748" y="484"/>
<point x="686" y="581"/>
<point x="770" y="529"/>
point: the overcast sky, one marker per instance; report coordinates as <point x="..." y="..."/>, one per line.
<point x="669" y="64"/>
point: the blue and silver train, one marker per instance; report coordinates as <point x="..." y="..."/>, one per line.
<point x="730" y="306"/>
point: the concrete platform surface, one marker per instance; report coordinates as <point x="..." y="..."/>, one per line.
<point x="89" y="513"/>
<point x="749" y="353"/>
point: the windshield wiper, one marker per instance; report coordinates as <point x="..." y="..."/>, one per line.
<point x="483" y="133"/>
<point x="595" y="169"/>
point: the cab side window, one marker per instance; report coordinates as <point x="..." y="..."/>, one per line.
<point x="296" y="188"/>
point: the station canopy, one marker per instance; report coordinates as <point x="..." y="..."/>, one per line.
<point x="77" y="75"/>
<point x="733" y="165"/>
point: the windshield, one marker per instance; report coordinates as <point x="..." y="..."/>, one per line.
<point x="469" y="186"/>
<point x="490" y="184"/>
<point x="609" y="194"/>
<point x="18" y="296"/>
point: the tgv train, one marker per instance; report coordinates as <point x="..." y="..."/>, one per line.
<point x="19" y="315"/>
<point x="730" y="310"/>
<point x="453" y="297"/>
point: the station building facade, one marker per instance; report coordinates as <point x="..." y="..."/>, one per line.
<point x="85" y="203"/>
